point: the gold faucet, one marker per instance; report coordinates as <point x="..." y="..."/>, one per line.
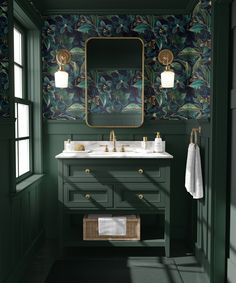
<point x="113" y="139"/>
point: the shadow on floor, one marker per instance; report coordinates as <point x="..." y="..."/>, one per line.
<point x="115" y="269"/>
<point x="113" y="265"/>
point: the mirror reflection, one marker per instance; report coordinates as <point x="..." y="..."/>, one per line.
<point x="115" y="82"/>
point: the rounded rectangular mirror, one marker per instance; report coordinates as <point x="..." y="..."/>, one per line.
<point x="114" y="95"/>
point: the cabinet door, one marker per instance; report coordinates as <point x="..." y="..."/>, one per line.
<point x="80" y="195"/>
<point x="140" y="195"/>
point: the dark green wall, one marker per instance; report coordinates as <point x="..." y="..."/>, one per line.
<point x="232" y="200"/>
<point x="20" y="215"/>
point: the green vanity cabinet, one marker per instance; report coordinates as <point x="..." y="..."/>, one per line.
<point x="121" y="186"/>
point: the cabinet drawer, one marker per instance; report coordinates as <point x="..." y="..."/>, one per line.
<point x="79" y="195"/>
<point x="139" y="195"/>
<point x="91" y="170"/>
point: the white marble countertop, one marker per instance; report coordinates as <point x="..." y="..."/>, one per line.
<point x="96" y="149"/>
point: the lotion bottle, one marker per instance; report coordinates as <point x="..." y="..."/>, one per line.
<point x="68" y="145"/>
<point x="158" y="143"/>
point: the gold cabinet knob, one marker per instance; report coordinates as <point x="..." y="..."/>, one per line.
<point x="87" y="171"/>
<point x="87" y="196"/>
<point x="140" y="171"/>
<point x="140" y="196"/>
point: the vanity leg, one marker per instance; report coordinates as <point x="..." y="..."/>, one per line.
<point x="167" y="231"/>
<point x="167" y="214"/>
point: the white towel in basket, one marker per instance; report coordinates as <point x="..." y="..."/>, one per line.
<point x="112" y="226"/>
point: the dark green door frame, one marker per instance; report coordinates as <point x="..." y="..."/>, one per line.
<point x="219" y="133"/>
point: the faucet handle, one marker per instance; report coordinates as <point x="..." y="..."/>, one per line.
<point x="123" y="147"/>
<point x="106" y="147"/>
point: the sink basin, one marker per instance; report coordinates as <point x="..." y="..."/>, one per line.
<point x="95" y="149"/>
<point x="113" y="154"/>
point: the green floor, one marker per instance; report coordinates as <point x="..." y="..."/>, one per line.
<point x="112" y="266"/>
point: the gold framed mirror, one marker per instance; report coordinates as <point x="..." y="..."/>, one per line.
<point x="114" y="71"/>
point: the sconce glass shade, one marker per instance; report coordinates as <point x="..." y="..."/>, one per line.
<point x="165" y="57"/>
<point x="167" y="79"/>
<point x="63" y="57"/>
<point x="61" y="79"/>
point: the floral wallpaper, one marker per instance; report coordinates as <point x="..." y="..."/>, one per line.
<point x="4" y="61"/>
<point x="114" y="91"/>
<point x="188" y="36"/>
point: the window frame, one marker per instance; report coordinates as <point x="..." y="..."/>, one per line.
<point x="29" y="137"/>
<point x="32" y="23"/>
<point x="20" y="28"/>
<point x="23" y="101"/>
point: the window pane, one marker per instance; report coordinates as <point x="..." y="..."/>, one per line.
<point x="17" y="168"/>
<point x="17" y="47"/>
<point x="24" y="162"/>
<point x="18" y="81"/>
<point x="16" y="122"/>
<point x="23" y="120"/>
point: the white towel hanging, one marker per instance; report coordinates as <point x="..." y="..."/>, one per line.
<point x="193" y="173"/>
<point x="198" y="185"/>
<point x="190" y="169"/>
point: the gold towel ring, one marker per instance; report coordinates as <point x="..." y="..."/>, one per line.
<point x="194" y="136"/>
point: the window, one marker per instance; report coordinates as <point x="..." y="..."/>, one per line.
<point x="27" y="95"/>
<point x="23" y="138"/>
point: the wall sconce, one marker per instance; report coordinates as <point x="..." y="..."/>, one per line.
<point x="63" y="57"/>
<point x="165" y="57"/>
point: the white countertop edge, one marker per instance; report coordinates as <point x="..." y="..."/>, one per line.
<point x="119" y="155"/>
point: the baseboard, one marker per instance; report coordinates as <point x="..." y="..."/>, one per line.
<point x="203" y="260"/>
<point x="231" y="271"/>
<point x="20" y="268"/>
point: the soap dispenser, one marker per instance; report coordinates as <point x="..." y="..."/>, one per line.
<point x="158" y="143"/>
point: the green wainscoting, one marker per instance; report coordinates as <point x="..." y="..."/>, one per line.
<point x="232" y="201"/>
<point x="176" y="134"/>
<point x="21" y="214"/>
<point x="202" y="216"/>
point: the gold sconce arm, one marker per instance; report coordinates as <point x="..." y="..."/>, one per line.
<point x="165" y="57"/>
<point x="63" y="57"/>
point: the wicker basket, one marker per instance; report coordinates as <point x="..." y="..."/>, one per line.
<point x="90" y="229"/>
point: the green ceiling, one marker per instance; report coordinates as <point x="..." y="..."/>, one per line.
<point x="109" y="6"/>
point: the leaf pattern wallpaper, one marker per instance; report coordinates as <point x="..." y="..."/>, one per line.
<point x="114" y="91"/>
<point x="4" y="61"/>
<point x="188" y="36"/>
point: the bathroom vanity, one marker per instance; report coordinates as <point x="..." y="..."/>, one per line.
<point x="117" y="183"/>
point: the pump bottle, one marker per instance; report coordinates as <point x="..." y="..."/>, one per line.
<point x="158" y="143"/>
